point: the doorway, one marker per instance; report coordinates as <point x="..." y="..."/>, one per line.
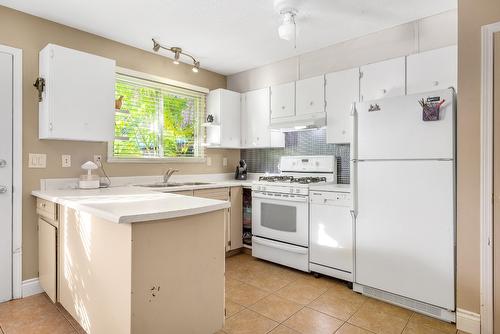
<point x="496" y="183"/>
<point x="6" y="176"/>
<point x="10" y="173"/>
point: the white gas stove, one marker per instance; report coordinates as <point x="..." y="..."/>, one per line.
<point x="280" y="209"/>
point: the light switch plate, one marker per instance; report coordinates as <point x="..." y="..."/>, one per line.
<point x="209" y="161"/>
<point x="66" y="160"/>
<point x="224" y="162"/>
<point x="37" y="160"/>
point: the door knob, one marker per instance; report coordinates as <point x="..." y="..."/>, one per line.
<point x="3" y="163"/>
<point x="3" y="189"/>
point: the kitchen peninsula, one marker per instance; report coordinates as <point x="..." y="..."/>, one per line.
<point x="130" y="260"/>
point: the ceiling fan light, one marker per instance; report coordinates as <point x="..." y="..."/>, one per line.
<point x="286" y="30"/>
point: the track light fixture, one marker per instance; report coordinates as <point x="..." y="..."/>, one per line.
<point x="177" y="54"/>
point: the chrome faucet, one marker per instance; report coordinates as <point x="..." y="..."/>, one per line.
<point x="168" y="173"/>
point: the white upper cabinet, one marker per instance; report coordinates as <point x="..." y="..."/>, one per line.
<point x="283" y="101"/>
<point x="432" y="70"/>
<point x="341" y="91"/>
<point x="224" y="106"/>
<point x="255" y="121"/>
<point x="78" y="99"/>
<point x="310" y="96"/>
<point x="383" y="79"/>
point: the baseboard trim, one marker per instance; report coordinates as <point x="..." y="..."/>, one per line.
<point x="31" y="287"/>
<point x="468" y="322"/>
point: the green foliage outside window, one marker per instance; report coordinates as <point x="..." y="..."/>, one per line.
<point x="157" y="122"/>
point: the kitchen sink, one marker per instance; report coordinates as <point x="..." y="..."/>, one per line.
<point x="160" y="185"/>
<point x="170" y="184"/>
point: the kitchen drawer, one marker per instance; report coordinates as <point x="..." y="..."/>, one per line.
<point x="46" y="209"/>
<point x="217" y="193"/>
<point x="183" y="192"/>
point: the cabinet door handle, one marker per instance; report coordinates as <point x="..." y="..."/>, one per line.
<point x="3" y="163"/>
<point x="3" y="189"/>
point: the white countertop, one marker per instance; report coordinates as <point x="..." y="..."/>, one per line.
<point x="345" y="188"/>
<point x="131" y="204"/>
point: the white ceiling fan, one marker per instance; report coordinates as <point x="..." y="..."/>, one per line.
<point x="288" y="27"/>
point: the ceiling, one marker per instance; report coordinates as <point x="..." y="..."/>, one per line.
<point x="230" y="36"/>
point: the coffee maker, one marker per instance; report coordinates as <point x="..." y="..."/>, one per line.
<point x="241" y="171"/>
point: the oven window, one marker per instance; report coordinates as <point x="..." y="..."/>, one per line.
<point x="279" y="217"/>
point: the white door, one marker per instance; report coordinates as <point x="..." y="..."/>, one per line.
<point x="280" y="217"/>
<point x="229" y="118"/>
<point x="6" y="73"/>
<point x="283" y="100"/>
<point x="396" y="130"/>
<point x="257" y="110"/>
<point x="331" y="237"/>
<point x="383" y="79"/>
<point x="432" y="70"/>
<point x="341" y="91"/>
<point x="310" y="96"/>
<point x="405" y="229"/>
<point x="244" y="126"/>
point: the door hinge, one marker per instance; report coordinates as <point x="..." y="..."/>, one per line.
<point x="229" y="243"/>
<point x="360" y="74"/>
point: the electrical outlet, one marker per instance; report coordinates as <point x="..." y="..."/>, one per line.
<point x="224" y="162"/>
<point x="97" y="159"/>
<point x="209" y="161"/>
<point x="36" y="160"/>
<point x="66" y="160"/>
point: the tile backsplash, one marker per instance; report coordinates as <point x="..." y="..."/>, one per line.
<point x="310" y="142"/>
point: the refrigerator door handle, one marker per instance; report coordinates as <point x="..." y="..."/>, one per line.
<point x="353" y="215"/>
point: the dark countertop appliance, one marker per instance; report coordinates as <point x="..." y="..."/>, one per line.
<point x="241" y="171"/>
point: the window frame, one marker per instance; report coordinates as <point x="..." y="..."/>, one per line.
<point x="111" y="158"/>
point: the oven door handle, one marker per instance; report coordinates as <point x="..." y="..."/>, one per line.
<point x="281" y="197"/>
<point x="285" y="247"/>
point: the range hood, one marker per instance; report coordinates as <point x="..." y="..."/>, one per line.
<point x="299" y="122"/>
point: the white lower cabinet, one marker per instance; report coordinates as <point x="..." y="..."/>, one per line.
<point x="342" y="90"/>
<point x="47" y="257"/>
<point x="383" y="79"/>
<point x="432" y="70"/>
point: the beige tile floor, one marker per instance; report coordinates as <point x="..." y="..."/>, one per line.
<point x="261" y="297"/>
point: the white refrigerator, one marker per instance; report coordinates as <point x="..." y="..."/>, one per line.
<point x="404" y="181"/>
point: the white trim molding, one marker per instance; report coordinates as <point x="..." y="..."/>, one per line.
<point x="31" y="287"/>
<point x="17" y="167"/>
<point x="468" y="322"/>
<point x="486" y="176"/>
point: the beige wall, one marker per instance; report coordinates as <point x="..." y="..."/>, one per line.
<point x="472" y="14"/>
<point x="31" y="34"/>
<point x="425" y="34"/>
